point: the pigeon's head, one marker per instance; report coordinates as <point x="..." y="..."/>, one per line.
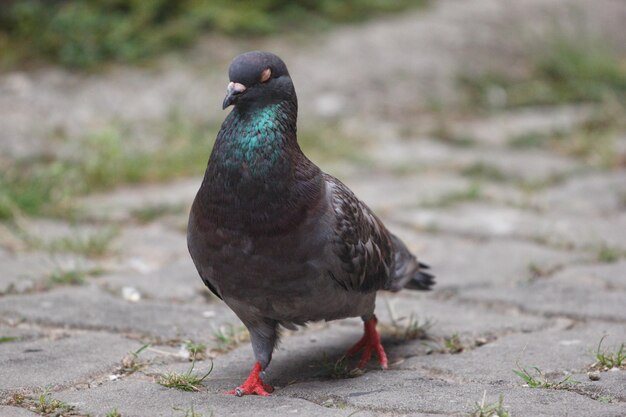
<point x="257" y="79"/>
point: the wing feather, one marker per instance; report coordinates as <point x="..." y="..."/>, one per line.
<point x="360" y="242"/>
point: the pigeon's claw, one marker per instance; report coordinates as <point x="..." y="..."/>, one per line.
<point x="253" y="385"/>
<point x="369" y="342"/>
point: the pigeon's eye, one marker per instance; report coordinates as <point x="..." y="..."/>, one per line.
<point x="266" y="74"/>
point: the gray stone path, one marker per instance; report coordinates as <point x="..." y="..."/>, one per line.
<point x="525" y="278"/>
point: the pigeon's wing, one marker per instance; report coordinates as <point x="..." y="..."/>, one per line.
<point x="360" y="243"/>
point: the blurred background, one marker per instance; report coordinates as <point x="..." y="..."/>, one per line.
<point x="490" y="135"/>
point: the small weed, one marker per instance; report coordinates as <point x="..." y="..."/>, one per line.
<point x="190" y="412"/>
<point x="131" y="362"/>
<point x="151" y="213"/>
<point x="413" y="329"/>
<point x="68" y="277"/>
<point x="453" y="344"/>
<point x="481" y="171"/>
<point x="566" y="69"/>
<point x="229" y="337"/>
<point x="17" y="399"/>
<point x="472" y="193"/>
<point x="606" y="399"/>
<point x="7" y="339"/>
<point x="537" y="271"/>
<point x="608" y="254"/>
<point x="184" y="382"/>
<point x="196" y="350"/>
<point x="608" y="360"/>
<point x="113" y="413"/>
<point x="339" y="369"/>
<point x="443" y="133"/>
<point x="92" y="245"/>
<point x="482" y="409"/>
<point x="540" y="381"/>
<point x="46" y="405"/>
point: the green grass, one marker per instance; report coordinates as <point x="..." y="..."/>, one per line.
<point x="481" y="171"/>
<point x="453" y="344"/>
<point x="594" y="141"/>
<point x="184" y="382"/>
<point x="537" y="379"/>
<point x="151" y="213"/>
<point x="229" y="337"/>
<point x="7" y="339"/>
<point x="196" y="350"/>
<point x="190" y="412"/>
<point x="406" y="328"/>
<point x="46" y="405"/>
<point x="338" y="369"/>
<point x="608" y="360"/>
<point x="609" y="254"/>
<point x="113" y="413"/>
<point x="94" y="245"/>
<point x="483" y="409"/>
<point x="131" y="362"/>
<point x="84" y="34"/>
<point x="563" y="69"/>
<point x="67" y="277"/>
<point x="471" y="193"/>
<point x="45" y="187"/>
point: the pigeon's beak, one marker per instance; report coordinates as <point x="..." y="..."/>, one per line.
<point x="232" y="93"/>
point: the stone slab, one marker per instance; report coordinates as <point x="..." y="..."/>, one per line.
<point x="91" y="308"/>
<point x="140" y="398"/>
<point x="557" y="353"/>
<point x="177" y="281"/>
<point x="8" y="411"/>
<point x="463" y="262"/>
<point x="53" y="363"/>
<point x="405" y="392"/>
<point x="485" y="220"/>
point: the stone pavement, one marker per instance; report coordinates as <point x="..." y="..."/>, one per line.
<point x="530" y="265"/>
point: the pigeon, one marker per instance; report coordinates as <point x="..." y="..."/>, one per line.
<point x="279" y="241"/>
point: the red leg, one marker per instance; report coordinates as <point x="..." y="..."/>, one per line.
<point x="369" y="342"/>
<point x="253" y="385"/>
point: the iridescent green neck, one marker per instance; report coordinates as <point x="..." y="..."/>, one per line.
<point x="259" y="133"/>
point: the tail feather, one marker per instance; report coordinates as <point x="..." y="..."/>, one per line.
<point x="422" y="281"/>
<point x="409" y="273"/>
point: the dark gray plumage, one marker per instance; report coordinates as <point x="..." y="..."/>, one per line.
<point x="281" y="242"/>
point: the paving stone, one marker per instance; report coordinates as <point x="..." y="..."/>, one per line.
<point x="384" y="193"/>
<point x="404" y="392"/>
<point x="86" y="307"/>
<point x="500" y="128"/>
<point x="461" y="262"/>
<point x="20" y="333"/>
<point x="8" y="411"/>
<point x="153" y="245"/>
<point x="606" y="276"/>
<point x="45" y="363"/>
<point x="610" y="387"/>
<point x="557" y="353"/>
<point x="176" y="281"/>
<point x="24" y="271"/>
<point x="481" y="220"/>
<point x="421" y="153"/>
<point x="120" y="204"/>
<point x="448" y="317"/>
<point x="599" y="194"/>
<point x="140" y="398"/>
<point x="556" y="298"/>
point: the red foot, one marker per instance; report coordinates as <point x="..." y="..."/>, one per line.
<point x="370" y="341"/>
<point x="253" y="385"/>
